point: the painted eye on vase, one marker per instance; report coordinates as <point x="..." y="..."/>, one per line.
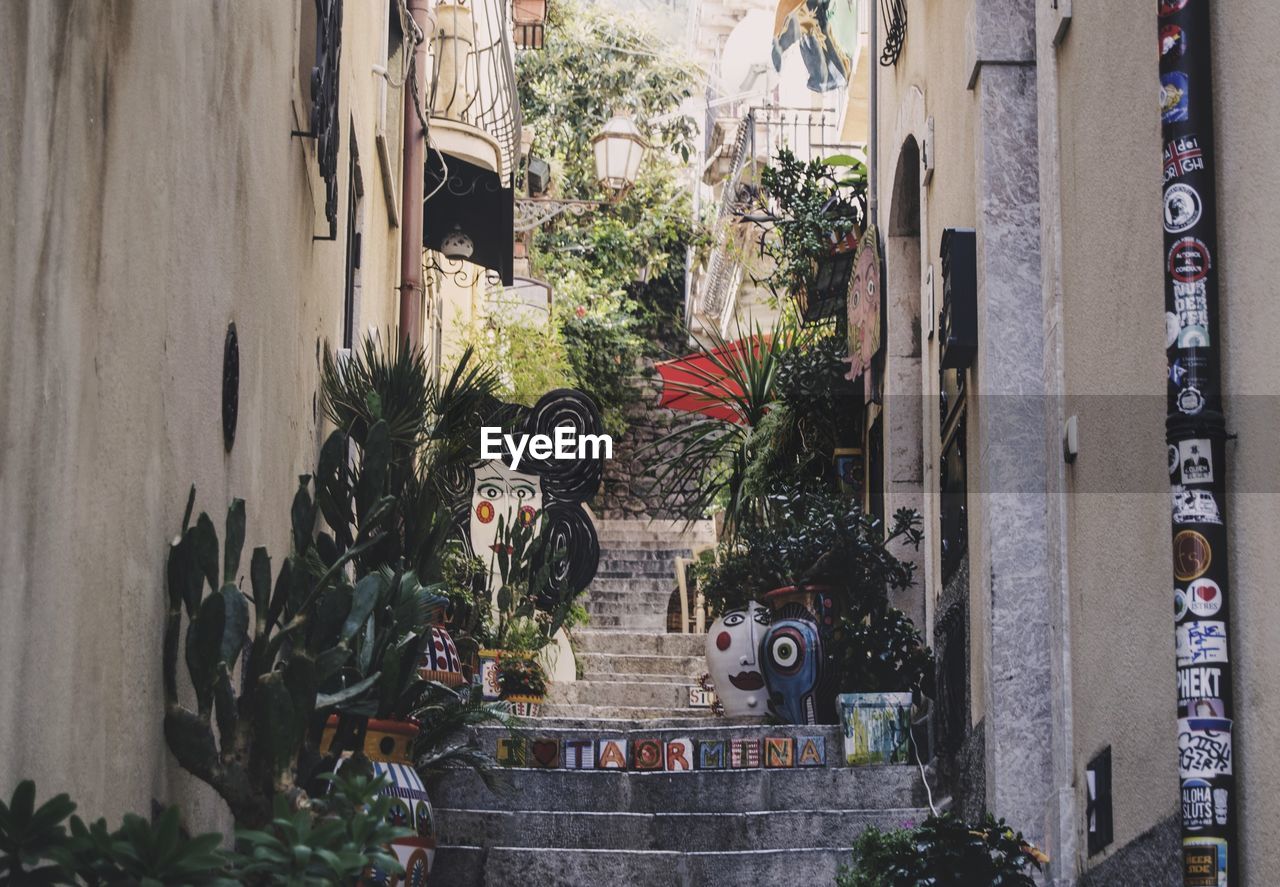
<point x="762" y="616"/>
<point x="490" y="491"/>
<point x="784" y="651"/>
<point x="522" y="492"/>
<point x="735" y="618"/>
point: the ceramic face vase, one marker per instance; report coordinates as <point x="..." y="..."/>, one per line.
<point x="733" y="644"/>
<point x="499" y="492"/>
<point x="791" y="655"/>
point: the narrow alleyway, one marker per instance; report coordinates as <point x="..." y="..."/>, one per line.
<point x="632" y="828"/>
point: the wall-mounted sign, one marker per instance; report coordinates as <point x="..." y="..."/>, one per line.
<point x="863" y="304"/>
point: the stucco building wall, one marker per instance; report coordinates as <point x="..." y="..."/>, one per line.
<point x="152" y="194"/>
<point x="1106" y="557"/>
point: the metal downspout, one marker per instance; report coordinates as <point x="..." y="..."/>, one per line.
<point x="412" y="173"/>
<point x="1196" y="437"/>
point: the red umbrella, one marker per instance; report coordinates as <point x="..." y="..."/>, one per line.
<point x="696" y="383"/>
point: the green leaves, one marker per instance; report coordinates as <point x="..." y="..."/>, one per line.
<point x="30" y="836"/>
<point x="235" y="541"/>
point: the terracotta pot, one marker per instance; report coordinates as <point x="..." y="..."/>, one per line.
<point x="389" y="747"/>
<point x="529" y="12"/>
<point x="733" y="660"/>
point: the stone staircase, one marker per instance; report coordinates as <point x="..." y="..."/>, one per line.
<point x="750" y="825"/>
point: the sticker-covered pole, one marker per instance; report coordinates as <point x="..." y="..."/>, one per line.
<point x="1196" y="432"/>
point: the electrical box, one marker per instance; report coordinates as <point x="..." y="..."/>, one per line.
<point x="958" y="321"/>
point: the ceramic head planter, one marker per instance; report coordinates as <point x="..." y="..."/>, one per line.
<point x="733" y="645"/>
<point x="546" y="493"/>
<point x="792" y="658"/>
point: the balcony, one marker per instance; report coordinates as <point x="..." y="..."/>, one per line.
<point x="761" y="131"/>
<point x="473" y="140"/>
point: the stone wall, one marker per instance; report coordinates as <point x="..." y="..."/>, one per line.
<point x="631" y="488"/>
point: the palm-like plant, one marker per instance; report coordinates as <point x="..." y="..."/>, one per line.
<point x="710" y="456"/>
<point x="446" y="715"/>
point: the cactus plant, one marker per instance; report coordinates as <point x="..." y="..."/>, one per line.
<point x="325" y="638"/>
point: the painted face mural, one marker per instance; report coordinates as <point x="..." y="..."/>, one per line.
<point x="500" y="495"/>
<point x="547" y="492"/>
<point x="791" y="654"/>
<point x="733" y="643"/>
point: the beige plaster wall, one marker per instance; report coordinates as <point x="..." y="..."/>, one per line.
<point x="151" y="194"/>
<point x="930" y="80"/>
<point x="1118" y="523"/>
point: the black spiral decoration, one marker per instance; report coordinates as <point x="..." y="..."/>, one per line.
<point x="894" y="15"/>
<point x="567" y="484"/>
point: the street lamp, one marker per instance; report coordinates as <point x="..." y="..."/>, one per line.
<point x="618" y="149"/>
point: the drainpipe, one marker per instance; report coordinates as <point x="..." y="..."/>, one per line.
<point x="873" y="168"/>
<point x="1196" y="434"/>
<point x="412" y="174"/>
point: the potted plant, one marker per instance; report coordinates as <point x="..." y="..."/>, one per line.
<point x="522" y="681"/>
<point x="882" y="669"/>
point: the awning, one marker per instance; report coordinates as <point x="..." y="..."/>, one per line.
<point x="701" y="383"/>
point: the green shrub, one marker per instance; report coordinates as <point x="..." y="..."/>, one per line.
<point x="943" y="851"/>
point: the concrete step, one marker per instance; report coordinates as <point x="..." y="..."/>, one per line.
<point x="628" y="584"/>
<point x="650" y="643"/>
<point x="751" y="830"/>
<point x="629" y="621"/>
<point x="685" y="678"/>
<point x="689" y="726"/>
<point x="618" y="712"/>
<point x="873" y="787"/>
<point x="627" y="663"/>
<point x="460" y="866"/>
<point x="631" y="694"/>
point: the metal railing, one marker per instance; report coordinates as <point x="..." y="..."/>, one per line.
<point x="473" y="74"/>
<point x="809" y="134"/>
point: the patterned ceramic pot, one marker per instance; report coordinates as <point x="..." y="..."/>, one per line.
<point x="876" y="727"/>
<point x="487" y="675"/>
<point x="440" y="662"/>
<point x="733" y="661"/>
<point x="525" y="706"/>
<point x="389" y="747"/>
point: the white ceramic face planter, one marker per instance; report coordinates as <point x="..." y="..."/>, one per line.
<point x="733" y="643"/>
<point x="499" y="492"/>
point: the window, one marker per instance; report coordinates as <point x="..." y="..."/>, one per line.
<point x="351" y="290"/>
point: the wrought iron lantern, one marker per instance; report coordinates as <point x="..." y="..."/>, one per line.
<point x="528" y="23"/>
<point x="618" y="149"/>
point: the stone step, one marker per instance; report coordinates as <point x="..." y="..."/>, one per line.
<point x="751" y="830"/>
<point x="689" y="726"/>
<point x="873" y="787"/>
<point x="629" y="621"/>
<point x="686" y="678"/>
<point x="616" y="712"/>
<point x="631" y="694"/>
<point x="632" y="584"/>
<point x="636" y="663"/>
<point x="466" y="866"/>
<point x="638" y="642"/>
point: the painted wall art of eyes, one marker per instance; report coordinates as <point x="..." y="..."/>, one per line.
<point x="548" y="494"/>
<point x="791" y="655"/>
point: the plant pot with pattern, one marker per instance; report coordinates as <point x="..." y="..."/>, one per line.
<point x="523" y="683"/>
<point x="388" y="747"/>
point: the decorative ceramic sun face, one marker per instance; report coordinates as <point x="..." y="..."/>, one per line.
<point x="732" y="644"/>
<point x="502" y="493"/>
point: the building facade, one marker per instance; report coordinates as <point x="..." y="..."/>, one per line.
<point x="1038" y="461"/>
<point x="202" y="200"/>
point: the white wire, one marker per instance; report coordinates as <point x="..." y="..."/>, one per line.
<point x="915" y="749"/>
